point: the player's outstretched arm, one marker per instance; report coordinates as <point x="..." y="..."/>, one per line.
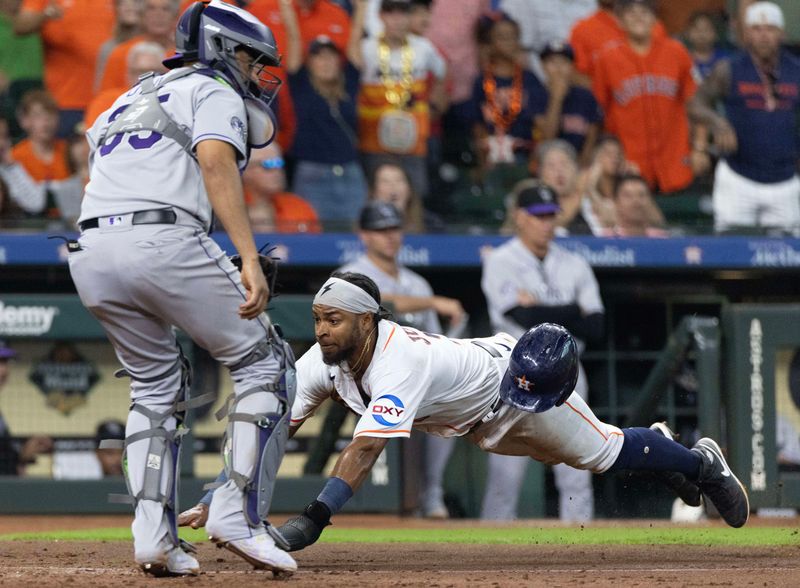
<point x="352" y="467"/>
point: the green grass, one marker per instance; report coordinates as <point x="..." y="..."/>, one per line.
<point x="510" y="536"/>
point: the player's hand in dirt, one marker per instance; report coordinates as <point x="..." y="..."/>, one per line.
<point x="195" y="517"/>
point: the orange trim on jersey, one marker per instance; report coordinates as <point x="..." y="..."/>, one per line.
<point x="383" y="432"/>
<point x="587" y="420"/>
<point x="385" y="345"/>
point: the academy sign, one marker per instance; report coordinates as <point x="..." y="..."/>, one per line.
<point x="26" y="320"/>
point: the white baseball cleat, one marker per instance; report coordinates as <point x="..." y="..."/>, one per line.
<point x="262" y="553"/>
<point x="175" y="562"/>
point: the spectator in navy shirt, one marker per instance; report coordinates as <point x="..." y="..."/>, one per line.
<point x="756" y="184"/>
<point x="572" y="112"/>
<point x="323" y="89"/>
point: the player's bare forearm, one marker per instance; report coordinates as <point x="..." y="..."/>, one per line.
<point x="217" y="161"/>
<point x="357" y="459"/>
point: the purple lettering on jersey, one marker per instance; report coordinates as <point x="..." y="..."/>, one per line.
<point x="138" y="143"/>
<point x="134" y="141"/>
<point x="110" y="146"/>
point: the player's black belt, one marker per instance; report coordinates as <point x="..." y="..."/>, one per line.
<point x="158" y="216"/>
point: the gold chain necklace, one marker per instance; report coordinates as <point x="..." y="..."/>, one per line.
<point x="398" y="92"/>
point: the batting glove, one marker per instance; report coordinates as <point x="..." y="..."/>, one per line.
<point x="305" y="529"/>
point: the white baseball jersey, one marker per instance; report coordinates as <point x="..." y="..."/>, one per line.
<point x="415" y="380"/>
<point x="562" y="277"/>
<point x="407" y="283"/>
<point x="141" y="171"/>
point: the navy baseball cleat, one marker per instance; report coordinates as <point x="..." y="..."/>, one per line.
<point x="686" y="490"/>
<point x="720" y="485"/>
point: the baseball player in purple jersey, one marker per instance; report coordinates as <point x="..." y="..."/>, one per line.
<point x="166" y="154"/>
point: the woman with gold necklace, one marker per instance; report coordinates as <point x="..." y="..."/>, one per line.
<point x="507" y="99"/>
<point x="402" y="76"/>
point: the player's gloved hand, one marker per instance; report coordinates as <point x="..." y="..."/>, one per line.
<point x="195" y="517"/>
<point x="305" y="529"/>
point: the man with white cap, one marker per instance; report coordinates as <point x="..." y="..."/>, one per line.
<point x="756" y="182"/>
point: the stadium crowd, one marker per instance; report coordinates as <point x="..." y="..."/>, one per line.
<point x="646" y="118"/>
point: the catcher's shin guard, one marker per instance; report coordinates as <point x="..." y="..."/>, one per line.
<point x="268" y="412"/>
<point x="163" y="432"/>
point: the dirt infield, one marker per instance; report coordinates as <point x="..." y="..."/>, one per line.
<point x="78" y="564"/>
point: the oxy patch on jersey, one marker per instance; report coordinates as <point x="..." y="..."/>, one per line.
<point x="388" y="410"/>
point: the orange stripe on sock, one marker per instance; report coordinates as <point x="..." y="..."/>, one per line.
<point x="383" y="432"/>
<point x="588" y="421"/>
<point x="387" y="340"/>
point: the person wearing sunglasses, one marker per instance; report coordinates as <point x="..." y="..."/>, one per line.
<point x="270" y="207"/>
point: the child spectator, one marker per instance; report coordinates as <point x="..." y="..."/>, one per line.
<point x="572" y="112"/>
<point x="701" y="40"/>
<point x="270" y="207"/>
<point x="390" y="183"/>
<point x="72" y="33"/>
<point x="327" y="170"/>
<point x="506" y="98"/>
<point x="20" y="192"/>
<point x="42" y="154"/>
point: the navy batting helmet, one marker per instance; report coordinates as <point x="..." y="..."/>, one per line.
<point x="543" y="369"/>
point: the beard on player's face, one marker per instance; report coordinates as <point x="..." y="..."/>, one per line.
<point x="343" y="341"/>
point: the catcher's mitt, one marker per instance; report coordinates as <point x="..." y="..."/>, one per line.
<point x="269" y="265"/>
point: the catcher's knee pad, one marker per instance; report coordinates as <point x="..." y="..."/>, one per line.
<point x="266" y="408"/>
<point x="162" y="430"/>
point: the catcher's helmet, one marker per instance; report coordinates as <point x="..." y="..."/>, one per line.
<point x="542" y="370"/>
<point x="212" y="32"/>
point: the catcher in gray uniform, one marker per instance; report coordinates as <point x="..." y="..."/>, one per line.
<point x="530" y="280"/>
<point x="162" y="157"/>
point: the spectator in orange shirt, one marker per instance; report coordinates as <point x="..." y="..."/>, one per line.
<point x="158" y="26"/>
<point x="271" y="209"/>
<point x="144" y="56"/>
<point x="42" y="154"/>
<point x="592" y="35"/>
<point x="126" y="26"/>
<point x="643" y="86"/>
<point x="72" y="34"/>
